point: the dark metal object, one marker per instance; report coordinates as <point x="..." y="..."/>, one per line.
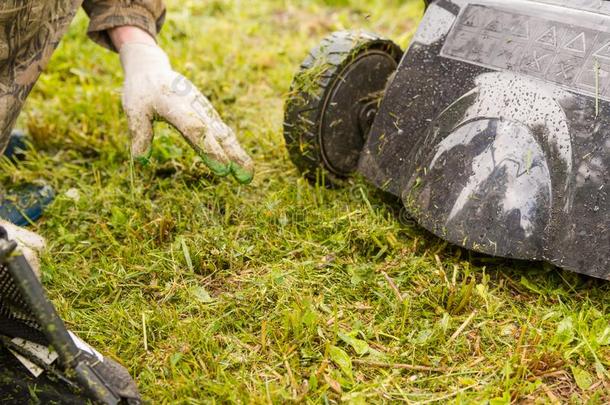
<point x="495" y="130"/>
<point x="26" y="313"/>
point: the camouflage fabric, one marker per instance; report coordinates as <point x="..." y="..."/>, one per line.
<point x="30" y="30"/>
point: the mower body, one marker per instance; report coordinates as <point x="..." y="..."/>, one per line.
<point x="495" y="130"/>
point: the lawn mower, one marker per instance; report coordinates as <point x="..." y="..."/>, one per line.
<point x="40" y="360"/>
<point x="493" y="127"/>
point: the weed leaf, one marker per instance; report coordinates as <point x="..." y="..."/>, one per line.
<point x="341" y="359"/>
<point x="565" y="331"/>
<point x="201" y="295"/>
<point x="582" y="377"/>
<point x="359" y="345"/>
<point x="531" y="286"/>
<point x="503" y="400"/>
<point x="602" y="330"/>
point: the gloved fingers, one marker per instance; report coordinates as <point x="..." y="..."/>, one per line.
<point x="188" y="105"/>
<point x="242" y="165"/>
<point x="141" y="130"/>
<point x="151" y="86"/>
<point x="182" y="112"/>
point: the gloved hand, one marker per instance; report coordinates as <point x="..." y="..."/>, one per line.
<point x="29" y="243"/>
<point x="152" y="89"/>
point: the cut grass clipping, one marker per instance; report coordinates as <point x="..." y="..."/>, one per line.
<point x="280" y="291"/>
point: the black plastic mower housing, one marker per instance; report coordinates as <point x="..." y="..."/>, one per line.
<point x="29" y="322"/>
<point x="495" y="130"/>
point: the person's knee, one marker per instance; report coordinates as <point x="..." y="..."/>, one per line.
<point x="30" y="243"/>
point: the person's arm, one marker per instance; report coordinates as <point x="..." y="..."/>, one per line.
<point x="129" y="33"/>
<point x="106" y="15"/>
<point x="153" y="89"/>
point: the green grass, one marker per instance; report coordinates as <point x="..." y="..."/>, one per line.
<point x="280" y="291"/>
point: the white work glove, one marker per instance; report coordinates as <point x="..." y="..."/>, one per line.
<point x="28" y="243"/>
<point x="152" y="89"/>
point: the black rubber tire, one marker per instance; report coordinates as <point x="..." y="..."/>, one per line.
<point x="311" y="89"/>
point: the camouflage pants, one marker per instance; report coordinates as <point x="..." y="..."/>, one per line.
<point x="30" y="30"/>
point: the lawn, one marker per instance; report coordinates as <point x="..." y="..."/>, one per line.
<point x="280" y="291"/>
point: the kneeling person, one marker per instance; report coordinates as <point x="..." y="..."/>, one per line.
<point x="29" y="32"/>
